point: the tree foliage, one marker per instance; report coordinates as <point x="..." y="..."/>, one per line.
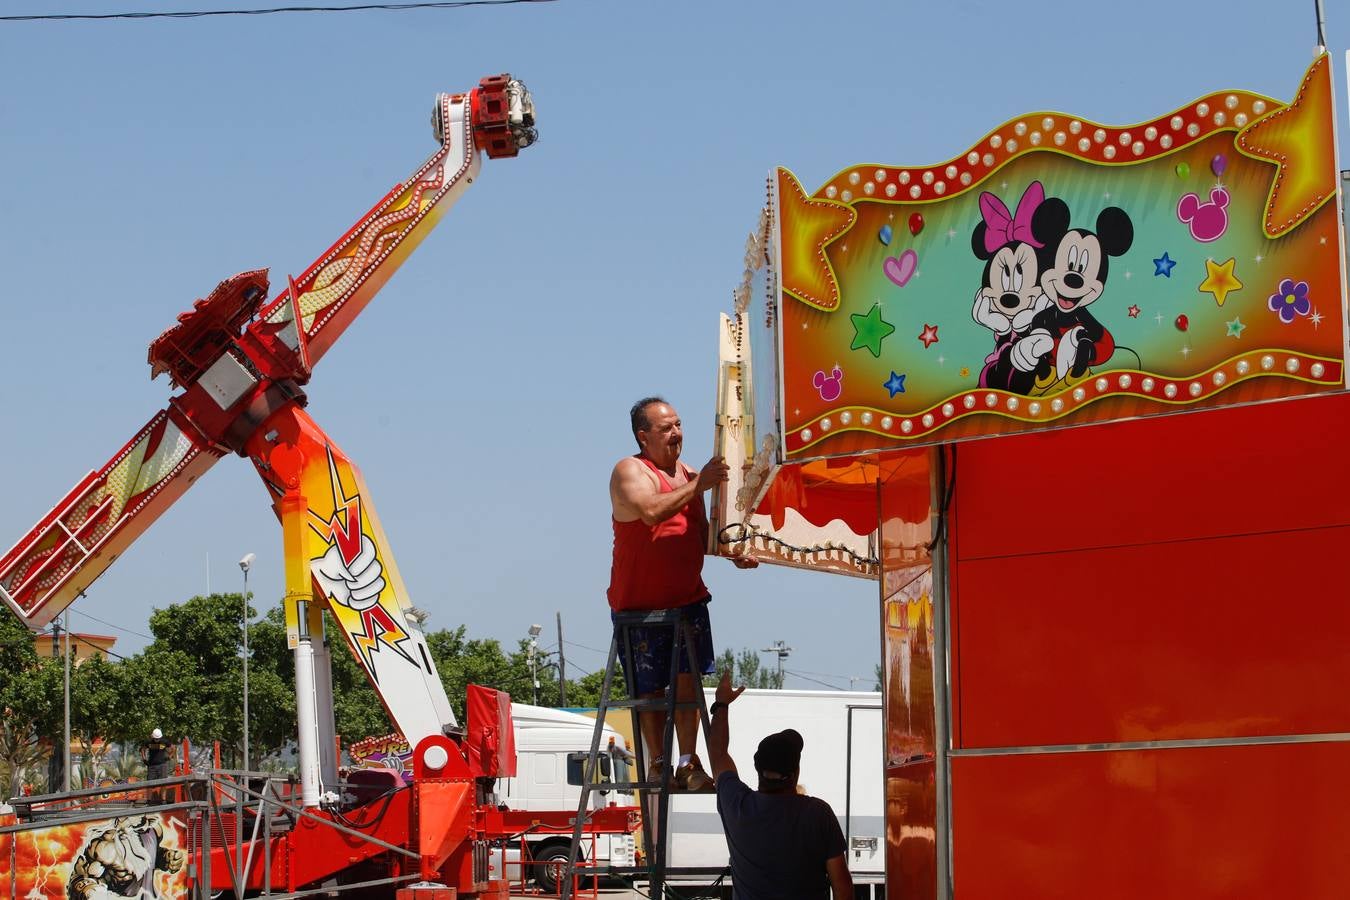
<point x="188" y="682"/>
<point x="746" y="669"/>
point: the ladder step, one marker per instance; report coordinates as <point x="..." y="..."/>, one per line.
<point x="641" y="786"/>
<point x="649" y="704"/>
<point x="655" y="617"/>
<point x="670" y="870"/>
<point x="622" y="786"/>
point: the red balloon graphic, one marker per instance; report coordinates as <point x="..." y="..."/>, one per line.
<point x="915" y="224"/>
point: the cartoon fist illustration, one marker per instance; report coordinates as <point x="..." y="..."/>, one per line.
<point x="1027" y="353"/>
<point x="356" y="586"/>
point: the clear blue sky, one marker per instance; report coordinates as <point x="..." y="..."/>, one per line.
<point x="484" y="393"/>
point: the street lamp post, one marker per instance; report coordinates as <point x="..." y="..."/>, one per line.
<point x="782" y="649"/>
<point x="245" y="564"/>
<point x="534" y="660"/>
<point x="66" y="752"/>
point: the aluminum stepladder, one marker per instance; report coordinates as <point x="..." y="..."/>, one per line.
<point x="654" y="833"/>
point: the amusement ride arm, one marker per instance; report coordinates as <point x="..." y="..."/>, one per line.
<point x="237" y="370"/>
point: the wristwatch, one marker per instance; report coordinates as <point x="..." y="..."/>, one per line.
<point x="717" y="704"/>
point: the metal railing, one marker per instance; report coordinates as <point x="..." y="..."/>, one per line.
<point x="205" y="803"/>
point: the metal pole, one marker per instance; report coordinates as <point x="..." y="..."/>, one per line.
<point x="306" y="712"/>
<point x="534" y="660"/>
<point x="245" y="568"/>
<point x="65" y="750"/>
<point x="534" y="669"/>
<point x="941" y="672"/>
<point x="562" y="666"/>
<point x="782" y="649"/>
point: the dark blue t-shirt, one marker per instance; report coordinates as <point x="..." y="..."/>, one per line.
<point x="779" y="842"/>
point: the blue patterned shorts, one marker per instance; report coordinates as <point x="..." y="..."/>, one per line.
<point x="651" y="646"/>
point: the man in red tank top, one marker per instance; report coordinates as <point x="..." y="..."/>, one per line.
<point x="660" y="536"/>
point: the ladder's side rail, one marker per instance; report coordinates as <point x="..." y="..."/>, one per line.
<point x="656" y="880"/>
<point x="587" y="773"/>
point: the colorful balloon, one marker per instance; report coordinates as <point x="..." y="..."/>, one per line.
<point x="1183" y="323"/>
<point x="1218" y="164"/>
<point x="1183" y="170"/>
<point x="915" y="224"/>
<point x="885" y="235"/>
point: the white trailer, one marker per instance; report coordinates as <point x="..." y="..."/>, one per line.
<point x="842" y="764"/>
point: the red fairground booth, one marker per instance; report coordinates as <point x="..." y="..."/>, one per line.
<point x="1114" y="655"/>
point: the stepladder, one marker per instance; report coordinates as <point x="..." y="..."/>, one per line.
<point x="657" y="781"/>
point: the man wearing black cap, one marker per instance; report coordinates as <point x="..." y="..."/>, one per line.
<point x="784" y="845"/>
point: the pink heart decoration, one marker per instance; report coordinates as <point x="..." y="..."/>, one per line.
<point x="901" y="270"/>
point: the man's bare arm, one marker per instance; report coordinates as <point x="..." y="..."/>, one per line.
<point x="635" y="496"/>
<point x="841" y="882"/>
<point x="719" y="730"/>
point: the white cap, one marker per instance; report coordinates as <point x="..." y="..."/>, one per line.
<point x="156" y="734"/>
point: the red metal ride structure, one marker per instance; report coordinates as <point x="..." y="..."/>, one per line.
<point x="240" y="363"/>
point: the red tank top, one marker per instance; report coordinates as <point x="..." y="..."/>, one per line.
<point x="659" y="566"/>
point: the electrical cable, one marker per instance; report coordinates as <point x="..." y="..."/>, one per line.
<point x="202" y="14"/>
<point x="376" y="818"/>
<point x="950" y="489"/>
<point x="118" y="627"/>
<point x="834" y="687"/>
<point x="585" y="647"/>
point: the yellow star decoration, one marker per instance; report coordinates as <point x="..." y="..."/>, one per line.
<point x="1298" y="140"/>
<point x="1220" y="280"/>
<point x="807" y="225"/>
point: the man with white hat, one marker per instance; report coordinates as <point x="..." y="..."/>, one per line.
<point x="155" y="754"/>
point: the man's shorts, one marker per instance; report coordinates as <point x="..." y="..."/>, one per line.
<point x="651" y="646"/>
<point x="157" y="771"/>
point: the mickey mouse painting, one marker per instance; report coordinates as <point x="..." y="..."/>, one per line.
<point x="1065" y="338"/>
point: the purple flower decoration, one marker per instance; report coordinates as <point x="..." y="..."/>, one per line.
<point x="1290" y="300"/>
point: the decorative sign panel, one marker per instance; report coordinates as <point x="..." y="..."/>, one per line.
<point x="1063" y="272"/>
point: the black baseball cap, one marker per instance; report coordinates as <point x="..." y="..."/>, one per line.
<point x="779" y="756"/>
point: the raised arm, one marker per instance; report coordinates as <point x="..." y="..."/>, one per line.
<point x="719" y="731"/>
<point x="635" y="494"/>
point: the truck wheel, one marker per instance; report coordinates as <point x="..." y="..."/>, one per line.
<point x="550" y="866"/>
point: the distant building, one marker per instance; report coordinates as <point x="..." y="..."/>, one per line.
<point x="82" y="646"/>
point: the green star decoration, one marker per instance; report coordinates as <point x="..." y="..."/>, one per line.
<point x="1235" y="327"/>
<point x="870" y="330"/>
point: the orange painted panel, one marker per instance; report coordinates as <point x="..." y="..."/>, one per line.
<point x="909" y="651"/>
<point x="1271" y="467"/>
<point x="911" y="833"/>
<point x="1230" y="822"/>
<point x="1210" y="638"/>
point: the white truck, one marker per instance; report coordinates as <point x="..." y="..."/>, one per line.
<point x="551" y="748"/>
<point x="842" y="763"/>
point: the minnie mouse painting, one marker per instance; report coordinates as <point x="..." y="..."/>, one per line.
<point x="1015" y="254"/>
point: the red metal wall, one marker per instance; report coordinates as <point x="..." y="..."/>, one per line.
<point x="1183" y="578"/>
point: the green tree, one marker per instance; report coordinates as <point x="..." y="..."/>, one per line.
<point x="189" y="681"/>
<point x="30" y="700"/>
<point x="745" y="670"/>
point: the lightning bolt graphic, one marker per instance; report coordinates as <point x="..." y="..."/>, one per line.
<point x="44" y="871"/>
<point x="344" y="529"/>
